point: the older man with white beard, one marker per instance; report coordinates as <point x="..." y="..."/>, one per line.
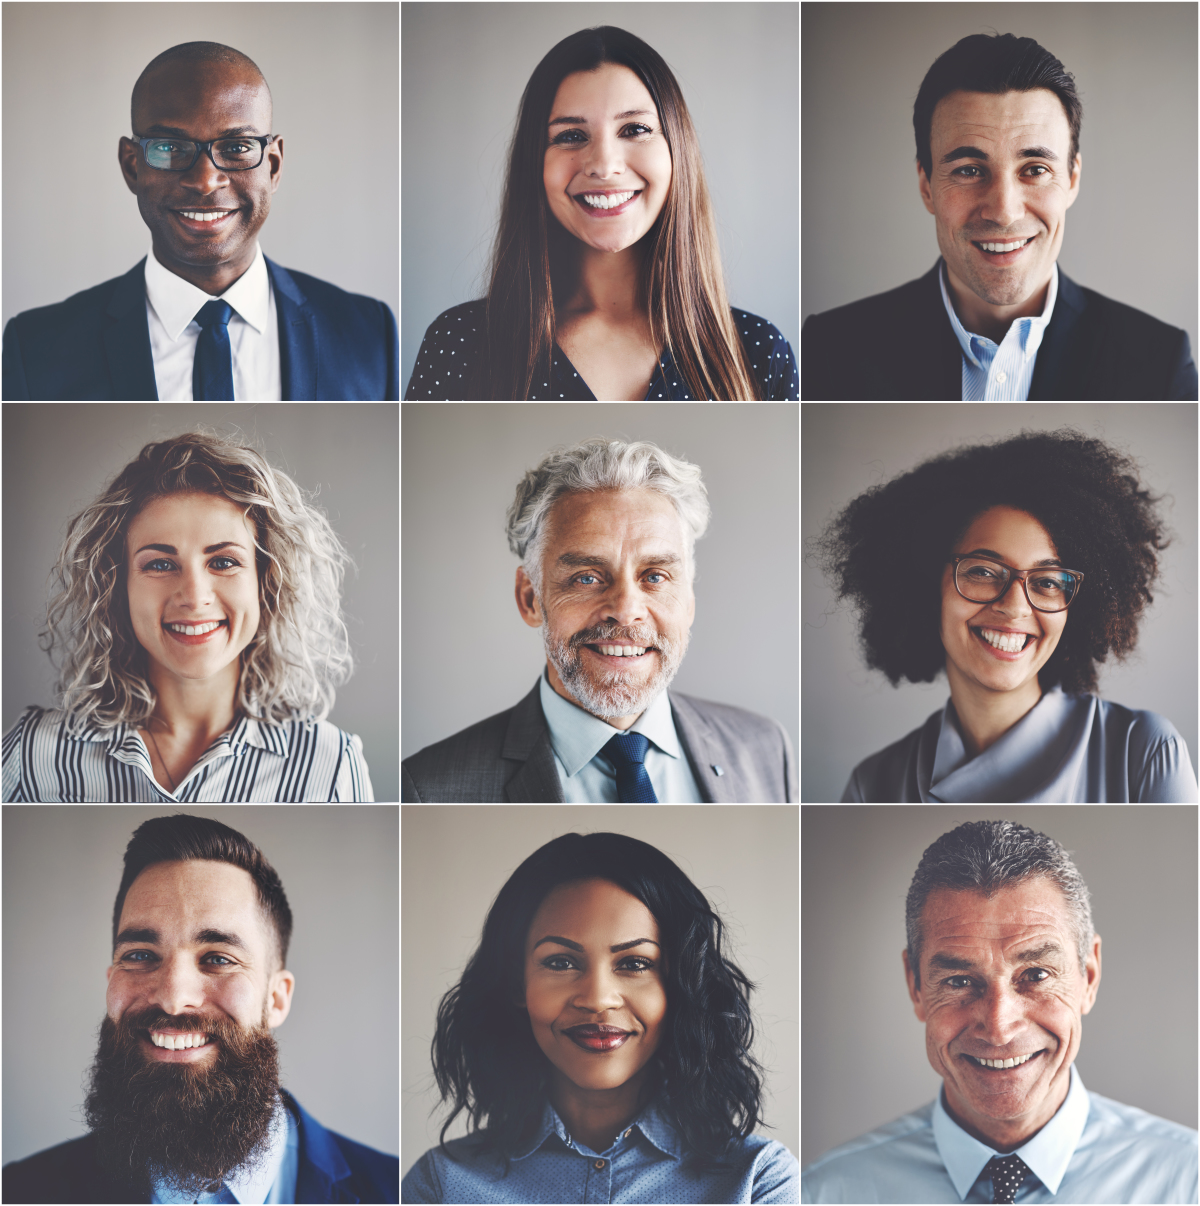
<point x="606" y="531"/>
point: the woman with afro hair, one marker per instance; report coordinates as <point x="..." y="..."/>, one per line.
<point x="1017" y="567"/>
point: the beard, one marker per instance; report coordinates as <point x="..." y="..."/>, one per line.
<point x="606" y="693"/>
<point x="189" y="1124"/>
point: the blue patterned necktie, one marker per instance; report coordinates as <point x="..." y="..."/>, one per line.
<point x="628" y="752"/>
<point x="1007" y="1174"/>
<point x="212" y="370"/>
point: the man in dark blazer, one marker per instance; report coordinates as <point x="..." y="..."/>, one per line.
<point x="997" y="124"/>
<point x="206" y="316"/>
<point x="607" y="532"/>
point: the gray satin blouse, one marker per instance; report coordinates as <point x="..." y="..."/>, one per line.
<point x="1067" y="749"/>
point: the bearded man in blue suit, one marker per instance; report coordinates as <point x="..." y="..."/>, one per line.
<point x="205" y="316"/>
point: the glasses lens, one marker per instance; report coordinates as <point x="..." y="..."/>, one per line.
<point x="172" y="154"/>
<point x="237" y="154"/>
<point x="1051" y="590"/>
<point x="981" y="581"/>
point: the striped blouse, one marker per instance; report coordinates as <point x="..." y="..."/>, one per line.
<point x="252" y="762"/>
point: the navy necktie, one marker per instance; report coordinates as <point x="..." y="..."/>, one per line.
<point x="212" y="370"/>
<point x="1007" y="1174"/>
<point x="628" y="752"/>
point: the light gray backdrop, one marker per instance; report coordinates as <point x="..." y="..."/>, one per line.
<point x="467" y="652"/>
<point x="851" y="712"/>
<point x="58" y="458"/>
<point x="864" y="1049"/>
<point x="70" y="222"/>
<point x="458" y="857"/>
<point x="465" y="68"/>
<point x="339" y="866"/>
<point x="865" y="227"/>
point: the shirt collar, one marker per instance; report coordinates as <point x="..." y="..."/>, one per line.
<point x="177" y="302"/>
<point x="650" y="1122"/>
<point x="1047" y="1154"/>
<point x="578" y="736"/>
<point x="1028" y="332"/>
<point x="126" y="745"/>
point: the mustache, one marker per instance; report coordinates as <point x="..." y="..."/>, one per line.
<point x="130" y="1025"/>
<point x="615" y="634"/>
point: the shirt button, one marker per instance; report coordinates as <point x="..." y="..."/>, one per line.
<point x="599" y="1163"/>
<point x="1001" y="377"/>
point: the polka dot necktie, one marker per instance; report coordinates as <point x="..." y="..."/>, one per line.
<point x="1007" y="1174"/>
<point x="628" y="752"/>
<point x="212" y="370"/>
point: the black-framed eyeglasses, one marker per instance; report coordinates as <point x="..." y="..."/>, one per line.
<point x="239" y="154"/>
<point x="985" y="580"/>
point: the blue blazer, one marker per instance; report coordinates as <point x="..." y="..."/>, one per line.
<point x="332" y="1169"/>
<point x="95" y="347"/>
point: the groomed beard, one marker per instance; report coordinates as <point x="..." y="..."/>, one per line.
<point x="190" y="1124"/>
<point x="606" y="693"/>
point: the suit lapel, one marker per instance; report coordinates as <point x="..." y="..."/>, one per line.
<point x="127" y="339"/>
<point x="298" y="360"/>
<point x="1055" y="376"/>
<point x="527" y="741"/>
<point x="705" y="750"/>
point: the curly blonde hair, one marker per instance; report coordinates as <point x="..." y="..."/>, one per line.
<point x="301" y="651"/>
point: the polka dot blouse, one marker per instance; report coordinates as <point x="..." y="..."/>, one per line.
<point x="456" y="337"/>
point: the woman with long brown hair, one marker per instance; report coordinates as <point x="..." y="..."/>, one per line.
<point x="606" y="279"/>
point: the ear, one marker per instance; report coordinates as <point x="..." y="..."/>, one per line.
<point x="1076" y="174"/>
<point x="926" y="189"/>
<point x="914" y="993"/>
<point x="1092" y="974"/>
<point x="279" y="998"/>
<point x="528" y="604"/>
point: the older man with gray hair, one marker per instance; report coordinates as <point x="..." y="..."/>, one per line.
<point x="1002" y="963"/>
<point x="606" y="532"/>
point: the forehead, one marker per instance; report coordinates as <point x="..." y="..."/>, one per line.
<point x="961" y="919"/>
<point x="601" y="94"/>
<point x="1014" y="533"/>
<point x="1000" y="122"/>
<point x="190" y="96"/>
<point x="615" y="518"/>
<point x="178" y="898"/>
<point x="198" y="517"/>
<point x="592" y="912"/>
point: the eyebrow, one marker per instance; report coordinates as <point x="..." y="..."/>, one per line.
<point x="581" y="560"/>
<point x="993" y="553"/>
<point x="621" y="946"/>
<point x="229" y="133"/>
<point x="1035" y="954"/>
<point x="201" y="938"/>
<point x="583" y="121"/>
<point x="976" y="153"/>
<point x="212" y="548"/>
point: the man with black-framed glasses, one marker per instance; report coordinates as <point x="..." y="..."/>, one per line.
<point x="205" y="316"/>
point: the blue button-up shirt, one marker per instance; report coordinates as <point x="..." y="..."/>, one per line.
<point x="1092" y="1150"/>
<point x="646" y="1163"/>
<point x="1001" y="372"/>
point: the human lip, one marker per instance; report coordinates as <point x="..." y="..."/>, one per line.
<point x="1002" y="1065"/>
<point x="1003" y="257"/>
<point x="206" y="223"/>
<point x="608" y="209"/>
<point x="201" y="630"/>
<point x="621" y="654"/>
<point x="1004" y="643"/>
<point x="179" y="1052"/>
<point x="598" y="1038"/>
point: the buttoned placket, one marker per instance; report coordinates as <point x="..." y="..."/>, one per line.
<point x="598" y="1187"/>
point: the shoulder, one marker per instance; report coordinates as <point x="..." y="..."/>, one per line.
<point x="771" y="357"/>
<point x="1153" y="750"/>
<point x="43" y="728"/>
<point x="1116" y="1118"/>
<point x="1134" y="1143"/>
<point x="375" y="1175"/>
<point x="464" y="1172"/>
<point x="452" y="342"/>
<point x="882" y="777"/>
<point x="870" y="311"/>
<point x="1134" y="325"/>
<point x="465" y="322"/>
<point x="734" y="723"/>
<point x="324" y="294"/>
<point x="79" y="307"/>
<point x="68" y="1172"/>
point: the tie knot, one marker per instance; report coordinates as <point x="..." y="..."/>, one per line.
<point x="214" y="312"/>
<point x="627" y="748"/>
<point x="1007" y="1174"/>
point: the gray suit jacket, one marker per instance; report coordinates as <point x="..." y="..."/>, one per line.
<point x="508" y="759"/>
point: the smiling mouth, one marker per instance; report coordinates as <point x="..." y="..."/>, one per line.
<point x="1008" y="1065"/>
<point x="597" y="1038"/>
<point x="1004" y="642"/>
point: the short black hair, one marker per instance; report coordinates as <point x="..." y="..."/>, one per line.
<point x="1084" y="492"/>
<point x="182" y="837"/>
<point x="994" y="63"/>
<point x="190" y="53"/>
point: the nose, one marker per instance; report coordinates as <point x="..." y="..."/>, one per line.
<point x="1014" y="602"/>
<point x="999" y="1016"/>
<point x="597" y="991"/>
<point x="1002" y="202"/>
<point x="177" y="986"/>
<point x="604" y="157"/>
<point x="625" y="604"/>
<point x="195" y="588"/>
<point x="204" y="175"/>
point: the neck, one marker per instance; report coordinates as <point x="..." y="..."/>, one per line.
<point x="213" y="279"/>
<point x="596" y="1116"/>
<point x="560" y="688"/>
<point x="983" y="318"/>
<point x="1008" y="1134"/>
<point x="985" y="716"/>
<point x="607" y="285"/>
<point x="194" y="710"/>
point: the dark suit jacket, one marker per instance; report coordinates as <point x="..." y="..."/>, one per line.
<point x="899" y="346"/>
<point x="508" y="758"/>
<point x="95" y="347"/>
<point x="332" y="1169"/>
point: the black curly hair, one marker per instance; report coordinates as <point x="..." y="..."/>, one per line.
<point x="487" y="1061"/>
<point x="1084" y="492"/>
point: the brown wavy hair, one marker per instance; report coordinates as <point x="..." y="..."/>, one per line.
<point x="683" y="283"/>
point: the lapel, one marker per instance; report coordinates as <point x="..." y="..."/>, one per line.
<point x="321" y="1163"/>
<point x="705" y="750"/>
<point x="1054" y="375"/>
<point x="928" y="347"/>
<point x="127" y="339"/>
<point x="298" y="360"/>
<point x="527" y="740"/>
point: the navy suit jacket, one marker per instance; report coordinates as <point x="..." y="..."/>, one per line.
<point x="899" y="346"/>
<point x="95" y="347"/>
<point x="332" y="1169"/>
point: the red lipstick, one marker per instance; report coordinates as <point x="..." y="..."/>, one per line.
<point x="597" y="1038"/>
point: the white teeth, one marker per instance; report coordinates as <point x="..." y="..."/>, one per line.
<point x="177" y="1042"/>
<point x="194" y="629"/>
<point x="1005" y="246"/>
<point x="621" y="650"/>
<point x="607" y="200"/>
<point x="1006" y="1063"/>
<point x="198" y="216"/>
<point x="1012" y="642"/>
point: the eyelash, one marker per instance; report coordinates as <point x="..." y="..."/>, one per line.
<point x="128" y="956"/>
<point x="961" y="987"/>
<point x="149" y="566"/>
<point x="632" y="959"/>
<point x="970" y="167"/>
<point x="657" y="573"/>
<point x="562" y="138"/>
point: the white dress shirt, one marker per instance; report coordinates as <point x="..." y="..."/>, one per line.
<point x="173" y="303"/>
<point x="589" y="777"/>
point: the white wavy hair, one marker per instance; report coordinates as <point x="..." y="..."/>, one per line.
<point x="602" y="464"/>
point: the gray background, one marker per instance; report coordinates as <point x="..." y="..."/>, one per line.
<point x="850" y="712"/>
<point x="465" y="67"/>
<point x="864" y="1049"/>
<point x="69" y="70"/>
<point x="58" y="458"/>
<point x="339" y="866"/>
<point x="456" y="859"/>
<point x="467" y="652"/>
<point x="1135" y="69"/>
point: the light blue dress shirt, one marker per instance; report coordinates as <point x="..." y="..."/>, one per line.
<point x="646" y="1163"/>
<point x="588" y="777"/>
<point x="1092" y="1150"/>
<point x="274" y="1180"/>
<point x="1000" y="372"/>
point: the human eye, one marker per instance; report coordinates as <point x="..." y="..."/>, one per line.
<point x="983" y="572"/>
<point x="132" y="957"/>
<point x="970" y="167"/>
<point x="1040" y="971"/>
<point x="160" y="565"/>
<point x="645" y="964"/>
<point x="578" y="580"/>
<point x="225" y="961"/>
<point x="565" y="137"/>
<point x="950" y="983"/>
<point x="232" y="563"/>
<point x="1041" y="168"/>
<point x="551" y="962"/>
<point x="657" y="574"/>
<point x="637" y="125"/>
